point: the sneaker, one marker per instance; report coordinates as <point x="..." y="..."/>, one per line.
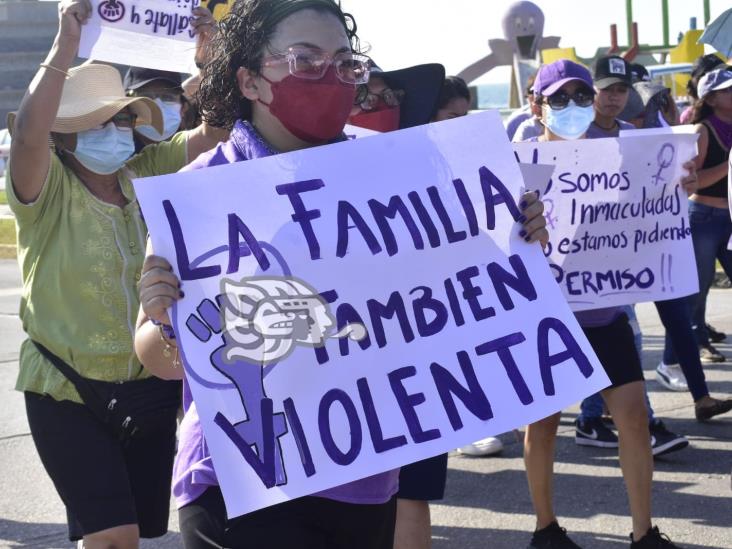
<point x="664" y="441"/>
<point x="485" y="447"/>
<point x="711" y="409"/>
<point x="653" y="540"/>
<point x="708" y="354"/>
<point x="714" y="335"/>
<point x="671" y="377"/>
<point x="552" y="537"/>
<point x="593" y="432"/>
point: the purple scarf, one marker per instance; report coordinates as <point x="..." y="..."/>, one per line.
<point x="244" y="143"/>
<point x="723" y="129"/>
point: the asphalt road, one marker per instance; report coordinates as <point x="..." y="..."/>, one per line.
<point x="487" y="503"/>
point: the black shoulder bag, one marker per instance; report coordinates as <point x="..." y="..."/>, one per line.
<point x="130" y="409"/>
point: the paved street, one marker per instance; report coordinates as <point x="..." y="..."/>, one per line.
<point x="487" y="503"/>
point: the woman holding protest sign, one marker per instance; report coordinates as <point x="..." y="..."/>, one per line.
<point x="565" y="94"/>
<point x="283" y="76"/>
<point x="104" y="429"/>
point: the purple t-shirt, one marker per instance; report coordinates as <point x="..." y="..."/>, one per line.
<point x="596" y="318"/>
<point x="193" y="471"/>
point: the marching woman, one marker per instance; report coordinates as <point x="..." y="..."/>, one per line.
<point x="283" y="75"/>
<point x="81" y="246"/>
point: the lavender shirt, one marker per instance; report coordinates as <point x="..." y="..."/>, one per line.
<point x="193" y="471"/>
<point x="596" y="318"/>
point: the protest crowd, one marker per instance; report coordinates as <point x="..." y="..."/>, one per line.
<point x="111" y="410"/>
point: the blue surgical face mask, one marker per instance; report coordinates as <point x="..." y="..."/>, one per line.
<point x="570" y="122"/>
<point x="104" y="150"/>
<point x="171" y="122"/>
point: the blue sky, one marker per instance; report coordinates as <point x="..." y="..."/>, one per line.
<point x="456" y="32"/>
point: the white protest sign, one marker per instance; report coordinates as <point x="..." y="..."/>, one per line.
<point x="156" y="34"/>
<point x="617" y="218"/>
<point x="409" y="238"/>
<point x="356" y="132"/>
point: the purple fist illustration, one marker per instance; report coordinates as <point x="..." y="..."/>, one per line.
<point x="111" y="10"/>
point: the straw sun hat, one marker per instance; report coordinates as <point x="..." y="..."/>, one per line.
<point x="93" y="94"/>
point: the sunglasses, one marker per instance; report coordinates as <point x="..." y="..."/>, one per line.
<point x="368" y="101"/>
<point x="583" y="97"/>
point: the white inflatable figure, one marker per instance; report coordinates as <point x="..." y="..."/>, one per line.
<point x="265" y="318"/>
<point x="523" y="28"/>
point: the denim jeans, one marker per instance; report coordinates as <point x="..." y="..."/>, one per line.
<point x="591" y="407"/>
<point x="710" y="232"/>
<point x="681" y="346"/>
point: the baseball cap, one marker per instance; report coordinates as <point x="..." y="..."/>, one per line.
<point x="649" y="90"/>
<point x="554" y="75"/>
<point x="136" y="77"/>
<point x="716" y="80"/>
<point x="612" y="69"/>
<point x="639" y="73"/>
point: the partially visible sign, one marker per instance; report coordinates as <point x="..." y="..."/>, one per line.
<point x="617" y="217"/>
<point x="156" y="34"/>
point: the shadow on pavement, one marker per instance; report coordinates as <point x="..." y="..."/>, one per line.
<point x="450" y="537"/>
<point x="579" y="496"/>
<point x="54" y="536"/>
<point x="32" y="534"/>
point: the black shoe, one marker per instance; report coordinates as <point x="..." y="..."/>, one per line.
<point x="664" y="441"/>
<point x="653" y="540"/>
<point x="552" y="537"/>
<point x="714" y="335"/>
<point x="594" y="432"/>
<point x="703" y="413"/>
<point x="709" y="355"/>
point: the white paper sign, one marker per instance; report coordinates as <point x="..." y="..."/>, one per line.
<point x="408" y="238"/>
<point x="156" y="34"/>
<point x="617" y="218"/>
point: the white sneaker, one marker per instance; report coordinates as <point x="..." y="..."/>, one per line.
<point x="485" y="447"/>
<point x="671" y="377"/>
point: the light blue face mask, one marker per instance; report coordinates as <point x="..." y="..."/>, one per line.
<point x="171" y="122"/>
<point x="570" y="122"/>
<point x="104" y="150"/>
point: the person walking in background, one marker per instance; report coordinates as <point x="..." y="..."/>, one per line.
<point x="80" y="247"/>
<point x="565" y="94"/>
<point x="709" y="217"/>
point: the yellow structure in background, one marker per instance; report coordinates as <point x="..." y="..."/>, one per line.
<point x="219" y="8"/>
<point x="686" y="52"/>
<point x="555" y="54"/>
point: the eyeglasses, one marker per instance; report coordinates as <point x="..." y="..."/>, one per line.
<point x="350" y="68"/>
<point x="122" y="120"/>
<point x="368" y="101"/>
<point x="582" y="97"/>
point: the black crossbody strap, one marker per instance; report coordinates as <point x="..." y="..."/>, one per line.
<point x="69" y="373"/>
<point x="86" y="391"/>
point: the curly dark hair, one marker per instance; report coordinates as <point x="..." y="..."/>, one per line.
<point x="240" y="40"/>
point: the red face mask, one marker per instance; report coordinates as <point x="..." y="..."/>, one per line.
<point x="383" y="120"/>
<point x="312" y="110"/>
